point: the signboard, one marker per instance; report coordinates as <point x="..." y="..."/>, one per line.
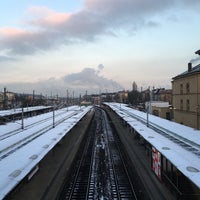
<point x="156" y="162"/>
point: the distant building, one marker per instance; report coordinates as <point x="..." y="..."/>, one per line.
<point x="145" y="95"/>
<point x="158" y="101"/>
<point x="157" y="94"/>
<point x="134" y="86"/>
<point x="122" y="96"/>
<point x="6" y="99"/>
<point x="160" y="109"/>
<point x="186" y="97"/>
<point x="162" y="94"/>
<point x="85" y="103"/>
<point x="1" y="100"/>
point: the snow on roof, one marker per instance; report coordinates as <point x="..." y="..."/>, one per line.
<point x="17" y="165"/>
<point x="186" y="160"/>
<point x="160" y="104"/>
<point x="19" y="110"/>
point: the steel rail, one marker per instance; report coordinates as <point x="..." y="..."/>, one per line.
<point x="20" y="143"/>
<point x="112" y="171"/>
<point x="123" y="190"/>
<point x="16" y="131"/>
<point x="182" y="141"/>
<point x="71" y="192"/>
<point x="105" y="176"/>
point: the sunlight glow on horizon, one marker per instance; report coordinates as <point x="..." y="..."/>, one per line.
<point x="135" y="42"/>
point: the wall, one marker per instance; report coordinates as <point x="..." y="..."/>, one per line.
<point x="191" y="116"/>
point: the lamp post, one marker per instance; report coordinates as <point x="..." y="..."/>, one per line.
<point x="53" y="116"/>
<point x="120" y="100"/>
<point x="172" y="108"/>
<point x="22" y="117"/>
<point x="148" y="106"/>
<point x="67" y="100"/>
<point x="148" y="115"/>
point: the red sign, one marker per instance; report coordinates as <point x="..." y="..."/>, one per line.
<point x="156" y="162"/>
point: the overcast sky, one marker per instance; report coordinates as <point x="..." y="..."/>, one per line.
<point x="146" y="41"/>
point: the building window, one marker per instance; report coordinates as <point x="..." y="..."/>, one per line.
<point x="187" y="87"/>
<point x="188" y="105"/>
<point x="181" y="104"/>
<point x="181" y="88"/>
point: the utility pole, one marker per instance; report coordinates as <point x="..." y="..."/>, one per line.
<point x="148" y="107"/>
<point x="22" y="117"/>
<point x="33" y="97"/>
<point x="53" y="116"/>
<point x="80" y="101"/>
<point x="5" y="99"/>
<point x="73" y="98"/>
<point x="148" y="114"/>
<point x="86" y="95"/>
<point x="67" y="100"/>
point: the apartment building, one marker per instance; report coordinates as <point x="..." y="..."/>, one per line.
<point x="6" y="99"/>
<point x="186" y="96"/>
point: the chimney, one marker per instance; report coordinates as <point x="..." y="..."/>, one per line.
<point x="189" y="67"/>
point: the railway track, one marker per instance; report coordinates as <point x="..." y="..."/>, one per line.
<point x="178" y="139"/>
<point x="47" y="117"/>
<point x="10" y="145"/>
<point x="100" y="171"/>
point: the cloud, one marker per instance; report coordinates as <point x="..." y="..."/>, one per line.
<point x="47" y="29"/>
<point x="46" y="18"/>
<point x="88" y="79"/>
<point x="100" y="68"/>
<point x="195" y="60"/>
<point x="6" y="59"/>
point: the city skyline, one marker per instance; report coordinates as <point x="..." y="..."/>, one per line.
<point x="117" y="42"/>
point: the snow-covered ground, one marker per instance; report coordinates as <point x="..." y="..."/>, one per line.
<point x="17" y="164"/>
<point x="182" y="158"/>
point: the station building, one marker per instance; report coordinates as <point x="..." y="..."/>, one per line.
<point x="186" y="97"/>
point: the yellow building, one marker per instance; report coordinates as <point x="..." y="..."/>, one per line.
<point x="161" y="109"/>
<point x="186" y="97"/>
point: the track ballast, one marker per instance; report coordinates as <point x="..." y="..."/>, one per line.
<point x="100" y="171"/>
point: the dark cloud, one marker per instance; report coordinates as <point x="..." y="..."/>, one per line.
<point x="96" y="18"/>
<point x="88" y="79"/>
